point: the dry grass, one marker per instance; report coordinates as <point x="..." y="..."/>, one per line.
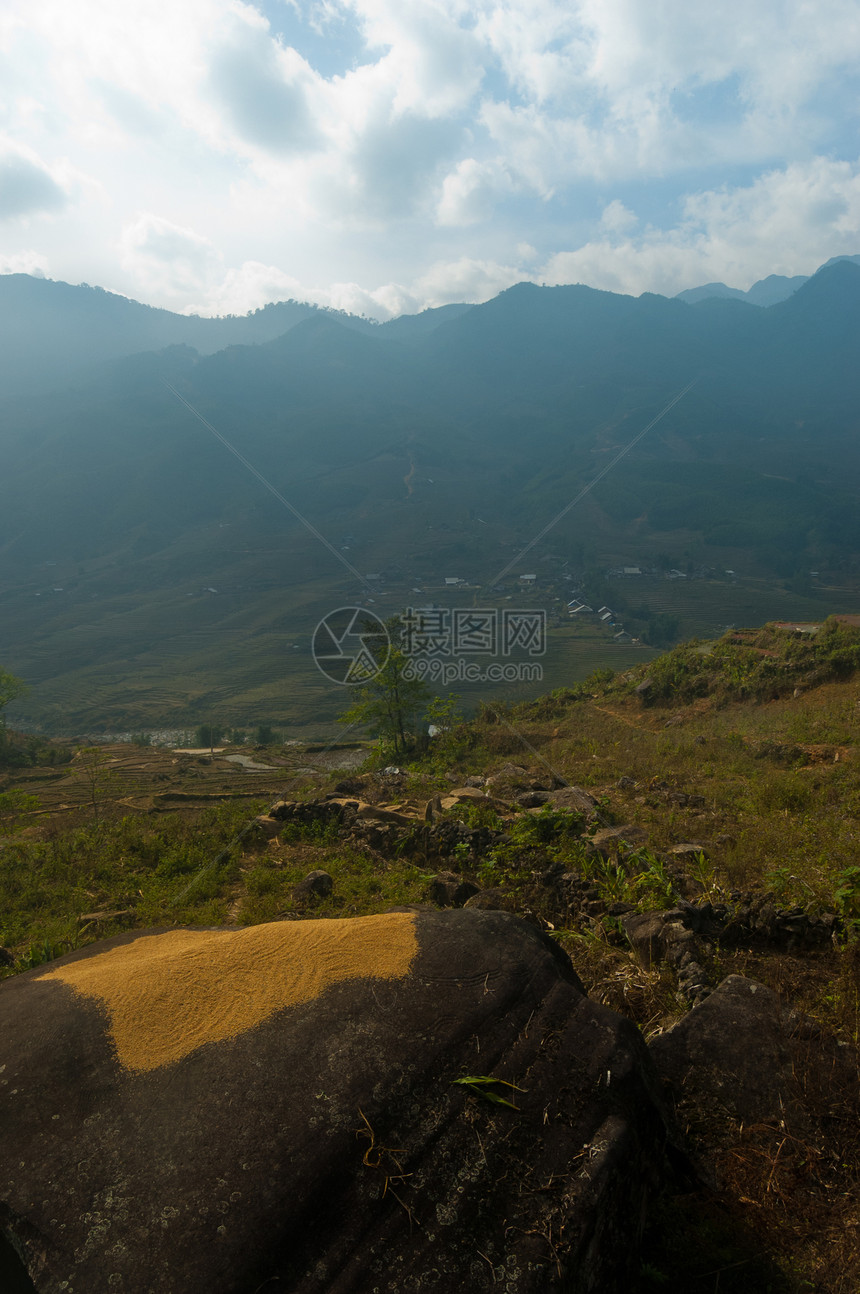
<point x="771" y="789"/>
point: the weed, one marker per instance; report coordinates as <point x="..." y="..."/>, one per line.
<point x="318" y="832"/>
<point x="13" y="804"/>
<point x="847" y="894"/>
<point x="475" y="814"/>
<point x="485" y="1086"/>
<point x="38" y="954"/>
<point x="704" y="873"/>
<point x="262" y="880"/>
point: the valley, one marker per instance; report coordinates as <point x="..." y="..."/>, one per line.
<point x="148" y="580"/>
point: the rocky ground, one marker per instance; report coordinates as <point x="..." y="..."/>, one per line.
<point x="692" y="875"/>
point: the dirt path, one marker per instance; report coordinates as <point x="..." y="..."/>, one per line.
<point x="631" y="723"/>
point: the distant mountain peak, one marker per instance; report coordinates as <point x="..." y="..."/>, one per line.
<point x="706" y="291"/>
<point x="765" y="292"/>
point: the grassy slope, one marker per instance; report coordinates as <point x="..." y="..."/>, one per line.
<point x="779" y="778"/>
<point x="116" y="651"/>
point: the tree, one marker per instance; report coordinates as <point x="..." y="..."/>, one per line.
<point x="392" y="703"/>
<point x="97" y="774"/>
<point x="10" y="689"/>
<point x="208" y="734"/>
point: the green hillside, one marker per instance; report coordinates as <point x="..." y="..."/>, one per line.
<point x="436" y="449"/>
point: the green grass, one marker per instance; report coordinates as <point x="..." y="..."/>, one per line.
<point x="178" y="869"/>
<point x="140" y="866"/>
<point x="776" y="813"/>
<point x="134" y="642"/>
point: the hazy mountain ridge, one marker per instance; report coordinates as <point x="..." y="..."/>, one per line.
<point x="50" y="331"/>
<point x="435" y="450"/>
<point x="765" y="292"/>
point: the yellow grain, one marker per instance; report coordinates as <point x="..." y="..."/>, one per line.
<point x="167" y="995"/>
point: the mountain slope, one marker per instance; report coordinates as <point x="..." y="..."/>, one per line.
<point x="427" y="452"/>
<point x="48" y="330"/>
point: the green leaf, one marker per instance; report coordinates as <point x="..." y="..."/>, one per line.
<point x="482" y="1084"/>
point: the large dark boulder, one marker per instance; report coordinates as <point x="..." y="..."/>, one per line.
<point x="221" y="1112"/>
<point x="732" y="1053"/>
<point x="746" y="1054"/>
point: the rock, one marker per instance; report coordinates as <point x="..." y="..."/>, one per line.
<point x="703" y="918"/>
<point x="209" y="1112"/>
<point x="491" y="900"/>
<point x="351" y="786"/>
<point x="316" y="885"/>
<point x="644" y="931"/>
<point x="433" y="808"/>
<point x="511" y="771"/>
<point x="380" y="813"/>
<point x="688" y="851"/>
<point x="450" y="891"/>
<point x="668" y="936"/>
<point x="444" y="836"/>
<point x="572" y="797"/>
<point x="330" y="809"/>
<point x="732" y="1051"/>
<point x="611" y="840"/>
<point x="619" y="909"/>
<point x="509" y="777"/>
<point x="463" y="795"/>
<point x="265" y="826"/>
<point x="533" y="799"/>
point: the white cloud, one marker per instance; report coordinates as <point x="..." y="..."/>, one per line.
<point x="27" y="187"/>
<point x="471" y="192"/>
<point x="427" y="54"/>
<point x="253" y="284"/>
<point x="266" y="90"/>
<point x="454" y="132"/>
<point x="166" y="258"/>
<point x="28" y="262"/>
<point x="465" y="280"/>
<point x="617" y="218"/>
<point x="379" y="303"/>
<point x="248" y="287"/>
<point x="391" y="170"/>
<point x="787" y="222"/>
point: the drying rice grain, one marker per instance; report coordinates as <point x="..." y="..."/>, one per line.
<point x="166" y="995"/>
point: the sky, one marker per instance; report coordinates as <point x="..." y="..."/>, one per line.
<point x="383" y="156"/>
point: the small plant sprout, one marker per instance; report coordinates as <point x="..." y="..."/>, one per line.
<point x="484" y="1085"/>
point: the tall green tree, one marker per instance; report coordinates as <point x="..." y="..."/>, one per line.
<point x="10" y="688"/>
<point x="392" y="704"/>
